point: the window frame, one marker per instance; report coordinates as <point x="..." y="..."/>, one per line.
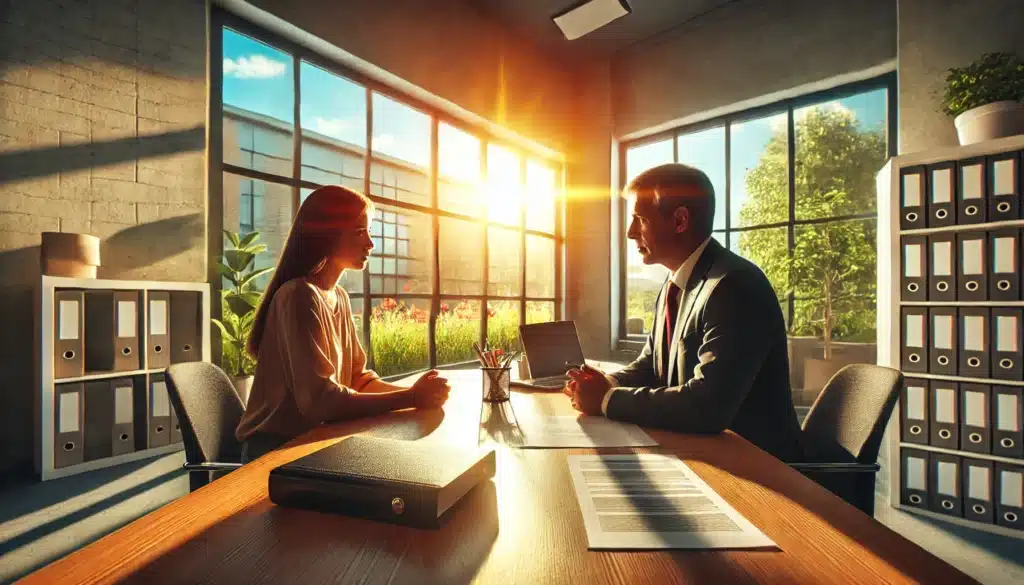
<point x="787" y="106"/>
<point x="222" y="19"/>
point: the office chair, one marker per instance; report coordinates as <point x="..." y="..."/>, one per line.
<point x="208" y="409"/>
<point x="843" y="431"/>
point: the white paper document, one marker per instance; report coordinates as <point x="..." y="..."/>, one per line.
<point x="655" y="502"/>
<point x="581" y="432"/>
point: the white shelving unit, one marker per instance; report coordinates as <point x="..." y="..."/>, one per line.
<point x="44" y="364"/>
<point x="890" y="302"/>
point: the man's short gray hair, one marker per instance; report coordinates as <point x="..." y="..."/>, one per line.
<point x="676" y="185"/>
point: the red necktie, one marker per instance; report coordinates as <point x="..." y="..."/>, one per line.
<point x="671" y="308"/>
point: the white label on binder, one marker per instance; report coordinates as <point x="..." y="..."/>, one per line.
<point x="974" y="409"/>
<point x="947" y="478"/>
<point x="126" y="319"/>
<point x="911" y="190"/>
<point x="1007" y="413"/>
<point x="1004" y="258"/>
<point x="942" y="186"/>
<point x="971" y="181"/>
<point x="1006" y="333"/>
<point x="977" y="483"/>
<point x="943" y="331"/>
<point x="158" y="399"/>
<point x="68" y="422"/>
<point x="912" y="260"/>
<point x="974" y="333"/>
<point x="67" y="327"/>
<point x="1010" y="492"/>
<point x="915" y="402"/>
<point x="945" y="405"/>
<point x="123" y="405"/>
<point x="971" y="258"/>
<point x="1002" y="177"/>
<point x="942" y="253"/>
<point x="916" y="474"/>
<point x="158" y="317"/>
<point x="915" y="331"/>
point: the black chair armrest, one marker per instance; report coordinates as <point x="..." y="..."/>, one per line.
<point x="211" y="466"/>
<point x="837" y="467"/>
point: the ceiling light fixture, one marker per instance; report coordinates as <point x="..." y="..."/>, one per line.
<point x="590" y="15"/>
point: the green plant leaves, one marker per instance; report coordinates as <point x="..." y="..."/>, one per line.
<point x="992" y="78"/>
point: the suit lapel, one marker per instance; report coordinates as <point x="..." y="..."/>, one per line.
<point x="693" y="288"/>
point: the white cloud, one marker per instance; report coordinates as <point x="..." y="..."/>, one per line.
<point x="383" y="141"/>
<point x="253" y="67"/>
<point x="332" y="126"/>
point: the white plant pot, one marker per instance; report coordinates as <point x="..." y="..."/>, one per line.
<point x="995" y="120"/>
<point x="242" y="387"/>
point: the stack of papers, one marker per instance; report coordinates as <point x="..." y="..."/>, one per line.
<point x="581" y="432"/>
<point x="655" y="502"/>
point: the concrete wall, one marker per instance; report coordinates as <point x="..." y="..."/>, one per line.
<point x="935" y="35"/>
<point x="745" y="50"/>
<point x="102" y="114"/>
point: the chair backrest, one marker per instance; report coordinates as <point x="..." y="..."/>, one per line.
<point x="846" y="422"/>
<point x="208" y="409"/>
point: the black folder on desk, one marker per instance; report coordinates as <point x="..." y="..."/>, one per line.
<point x="402" y="482"/>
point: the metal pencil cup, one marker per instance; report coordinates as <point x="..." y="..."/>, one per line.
<point x="496" y="383"/>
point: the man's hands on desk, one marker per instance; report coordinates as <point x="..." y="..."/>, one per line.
<point x="587" y="388"/>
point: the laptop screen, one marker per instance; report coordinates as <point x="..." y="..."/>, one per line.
<point x="548" y="346"/>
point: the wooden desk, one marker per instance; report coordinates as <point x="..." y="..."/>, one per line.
<point x="525" y="527"/>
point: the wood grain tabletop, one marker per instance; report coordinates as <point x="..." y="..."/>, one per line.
<point x="524" y="526"/>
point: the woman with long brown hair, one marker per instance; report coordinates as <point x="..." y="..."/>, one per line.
<point x="310" y="368"/>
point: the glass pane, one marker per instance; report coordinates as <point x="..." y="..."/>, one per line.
<point x="458" y="328"/>
<point x="505" y="264"/>
<point x="258" y="97"/>
<point x="357" y="318"/>
<point x="398" y="330"/>
<point x="462" y="256"/>
<point x="769" y="249"/>
<point x="459" y="170"/>
<point x="541" y="197"/>
<point x="705" y="150"/>
<point x="540" y="266"/>
<point x="415" y="276"/>
<point x="643" y="283"/>
<point x="540" y="312"/>
<point x="503" y="186"/>
<point x="503" y="325"/>
<point x="834" y="280"/>
<point x="640" y="158"/>
<point x="759" y="171"/>
<point x="401" y="152"/>
<point x="840" y="145"/>
<point x="255" y="205"/>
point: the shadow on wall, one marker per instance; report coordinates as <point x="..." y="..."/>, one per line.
<point x="130" y="249"/>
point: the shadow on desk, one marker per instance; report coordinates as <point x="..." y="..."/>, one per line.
<point x="292" y="546"/>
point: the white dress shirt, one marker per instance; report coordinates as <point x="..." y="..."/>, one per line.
<point x="680" y="278"/>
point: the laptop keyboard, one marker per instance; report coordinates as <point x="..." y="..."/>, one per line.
<point x="549" y="381"/>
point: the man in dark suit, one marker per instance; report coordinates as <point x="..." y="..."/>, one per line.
<point x="717" y="356"/>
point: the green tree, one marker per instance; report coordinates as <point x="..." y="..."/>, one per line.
<point x="831" y="272"/>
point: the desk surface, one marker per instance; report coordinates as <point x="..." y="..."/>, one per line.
<point x="525" y="527"/>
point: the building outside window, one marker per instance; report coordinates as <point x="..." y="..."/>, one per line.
<point x="470" y="266"/>
<point x="794" y="193"/>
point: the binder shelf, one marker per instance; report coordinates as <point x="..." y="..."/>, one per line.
<point x="950" y="282"/>
<point x="102" y="348"/>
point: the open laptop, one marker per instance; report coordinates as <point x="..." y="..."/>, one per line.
<point x="547" y="348"/>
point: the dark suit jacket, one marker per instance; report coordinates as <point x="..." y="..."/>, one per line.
<point x="728" y="366"/>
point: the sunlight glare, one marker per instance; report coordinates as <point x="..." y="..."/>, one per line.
<point x="504" y="192"/>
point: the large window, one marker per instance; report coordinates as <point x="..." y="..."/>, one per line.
<point x="465" y="227"/>
<point x="794" y="186"/>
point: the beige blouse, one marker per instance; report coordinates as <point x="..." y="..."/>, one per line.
<point x="309" y="362"/>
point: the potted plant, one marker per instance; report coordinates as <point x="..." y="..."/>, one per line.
<point x="984" y="98"/>
<point x="238" y="306"/>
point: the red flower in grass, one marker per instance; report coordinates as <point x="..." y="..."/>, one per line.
<point x="444" y="307"/>
<point x="491" y="312"/>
